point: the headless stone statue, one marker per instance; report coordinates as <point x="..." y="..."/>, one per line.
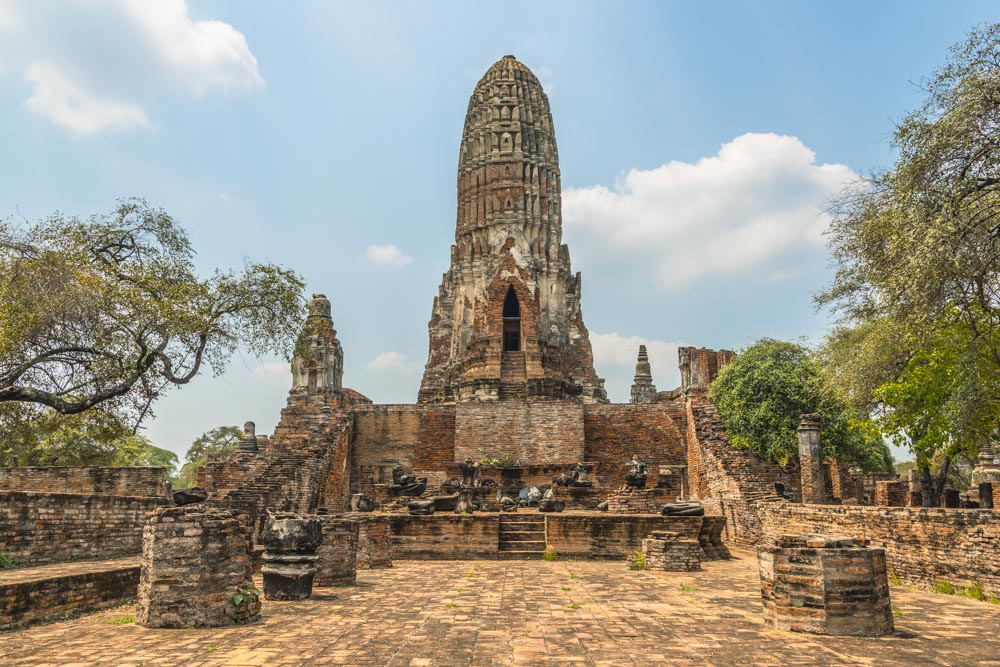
<point x="636" y="476"/>
<point x="470" y="473"/>
<point x="406" y="484"/>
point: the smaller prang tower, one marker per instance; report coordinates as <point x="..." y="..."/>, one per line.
<point x="643" y="389"/>
<point x="318" y="362"/>
<point x="506" y="322"/>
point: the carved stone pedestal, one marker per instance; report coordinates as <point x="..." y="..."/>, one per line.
<point x="290" y="544"/>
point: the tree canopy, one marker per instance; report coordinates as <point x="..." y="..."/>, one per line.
<point x="762" y="394"/>
<point x="917" y="286"/>
<point x="219" y="440"/>
<point x="34" y="436"/>
<point x="110" y="312"/>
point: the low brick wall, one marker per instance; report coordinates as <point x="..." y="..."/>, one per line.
<point x="40" y="528"/>
<point x="109" y="480"/>
<point x="374" y="540"/>
<point x="337" y="556"/>
<point x="610" y="536"/>
<point x="50" y="598"/>
<point x="445" y="536"/>
<point x="923" y="546"/>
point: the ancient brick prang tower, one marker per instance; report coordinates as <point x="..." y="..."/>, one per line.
<point x="506" y="322"/>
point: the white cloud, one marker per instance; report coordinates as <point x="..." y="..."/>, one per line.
<point x="68" y="105"/>
<point x="99" y="65"/>
<point x="387" y="255"/>
<point x="615" y="356"/>
<point x="755" y="209"/>
<point x="392" y="362"/>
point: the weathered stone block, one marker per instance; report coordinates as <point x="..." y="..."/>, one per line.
<point x="196" y="569"/>
<point x="668" y="551"/>
<point x="825" y="585"/>
<point x="337" y="557"/>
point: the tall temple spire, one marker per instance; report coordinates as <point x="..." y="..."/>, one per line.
<point x="643" y="388"/>
<point x="508" y="258"/>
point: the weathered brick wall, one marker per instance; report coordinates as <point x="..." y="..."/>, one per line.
<point x="50" y="598"/>
<point x="337" y="556"/>
<point x="197" y="569"/>
<point x="110" y="480"/>
<point x="421" y="437"/>
<point x="730" y="481"/>
<point x="303" y="469"/>
<point x="891" y="493"/>
<point x="532" y="431"/>
<point x="374" y="540"/>
<point x="40" y="528"/>
<point x="445" y="536"/>
<point x="610" y="536"/>
<point x="923" y="545"/>
<point x="655" y="432"/>
<point x="435" y="446"/>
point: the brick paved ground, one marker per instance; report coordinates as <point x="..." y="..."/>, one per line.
<point x="525" y="613"/>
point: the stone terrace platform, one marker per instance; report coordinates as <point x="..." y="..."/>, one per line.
<point x="525" y="613"/>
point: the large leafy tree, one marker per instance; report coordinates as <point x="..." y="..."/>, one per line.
<point x="917" y="287"/>
<point x="31" y="435"/>
<point x="219" y="440"/>
<point x="110" y="311"/>
<point x="762" y="394"/>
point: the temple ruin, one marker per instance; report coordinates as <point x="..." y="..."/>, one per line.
<point x="512" y="450"/>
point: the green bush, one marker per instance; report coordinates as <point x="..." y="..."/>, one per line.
<point x="6" y="562"/>
<point x="944" y="587"/>
<point x="550" y="555"/>
<point x="637" y="560"/>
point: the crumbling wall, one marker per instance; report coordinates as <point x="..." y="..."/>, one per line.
<point x="42" y="528"/>
<point x="655" y="432"/>
<point x="109" y="480"/>
<point x="923" y="546"/>
<point x="533" y="431"/>
<point x="730" y="481"/>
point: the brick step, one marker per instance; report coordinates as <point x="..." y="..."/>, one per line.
<point x="525" y="545"/>
<point x="522" y="537"/>
<point x="520" y="555"/>
<point x="516" y="533"/>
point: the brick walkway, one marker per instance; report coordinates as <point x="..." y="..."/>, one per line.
<point x="525" y="613"/>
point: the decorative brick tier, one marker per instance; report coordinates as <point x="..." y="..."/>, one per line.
<point x="337" y="561"/>
<point x="52" y="592"/>
<point x="196" y="569"/>
<point x="665" y="550"/>
<point x="825" y="585"/>
<point x="374" y="540"/>
<point x="630" y="500"/>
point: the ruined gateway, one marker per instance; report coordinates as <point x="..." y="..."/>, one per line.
<point x="509" y="379"/>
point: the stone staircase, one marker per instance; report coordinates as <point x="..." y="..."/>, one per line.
<point x="522" y="535"/>
<point x="513" y="377"/>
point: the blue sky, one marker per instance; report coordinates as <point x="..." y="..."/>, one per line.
<point x="698" y="145"/>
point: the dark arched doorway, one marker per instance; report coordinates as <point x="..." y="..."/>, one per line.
<point x="511" y="322"/>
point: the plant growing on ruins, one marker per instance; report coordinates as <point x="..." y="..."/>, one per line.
<point x="246" y="593"/>
<point x="550" y="554"/>
<point x="944" y="587"/>
<point x="6" y="562"/>
<point x="637" y="560"/>
<point x="109" y="311"/>
<point x="762" y="394"/>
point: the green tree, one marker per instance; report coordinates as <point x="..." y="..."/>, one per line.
<point x="917" y="287"/>
<point x="110" y="311"/>
<point x="762" y="394"/>
<point x="220" y="440"/>
<point x="33" y="436"/>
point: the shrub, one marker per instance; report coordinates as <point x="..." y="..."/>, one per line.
<point x="6" y="562"/>
<point x="550" y="554"/>
<point x="637" y="560"/>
